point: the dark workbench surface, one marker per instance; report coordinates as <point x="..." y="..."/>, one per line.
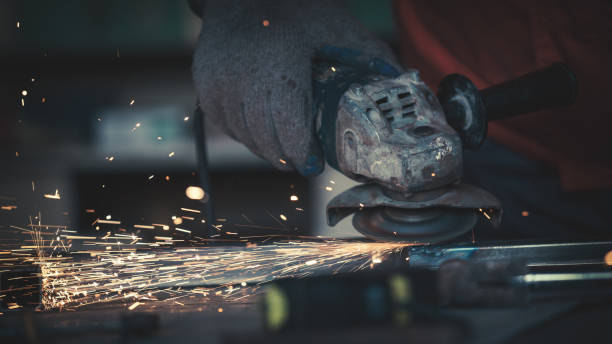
<point x="192" y="320"/>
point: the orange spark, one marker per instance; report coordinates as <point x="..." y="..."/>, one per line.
<point x="608" y="258"/>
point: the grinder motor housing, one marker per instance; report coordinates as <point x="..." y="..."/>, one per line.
<point x="391" y="131"/>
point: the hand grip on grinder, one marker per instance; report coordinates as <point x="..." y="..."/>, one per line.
<point x="468" y="110"/>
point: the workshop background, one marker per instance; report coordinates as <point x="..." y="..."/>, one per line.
<point x="108" y="119"/>
<point x="96" y="122"/>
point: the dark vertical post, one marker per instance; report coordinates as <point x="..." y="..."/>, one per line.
<point x="203" y="168"/>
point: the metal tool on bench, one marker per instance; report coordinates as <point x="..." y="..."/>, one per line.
<point x="427" y="279"/>
<point x="578" y="271"/>
<point x="389" y="131"/>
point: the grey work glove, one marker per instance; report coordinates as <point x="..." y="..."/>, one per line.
<point x="252" y="70"/>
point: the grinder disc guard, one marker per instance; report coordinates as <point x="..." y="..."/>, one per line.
<point x="414" y="225"/>
<point x="425" y="217"/>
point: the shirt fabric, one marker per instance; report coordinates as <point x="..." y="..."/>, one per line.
<point x="493" y="41"/>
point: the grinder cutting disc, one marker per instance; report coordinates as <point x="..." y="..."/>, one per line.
<point x="426" y="217"/>
<point x="414" y="225"/>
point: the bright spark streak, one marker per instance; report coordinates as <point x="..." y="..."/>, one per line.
<point x="110" y="275"/>
<point x="56" y="195"/>
<point x="122" y="267"/>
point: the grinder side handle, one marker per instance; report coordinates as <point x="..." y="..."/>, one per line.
<point x="468" y="110"/>
<point x="547" y="88"/>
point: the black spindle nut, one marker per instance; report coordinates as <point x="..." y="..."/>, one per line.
<point x="464" y="109"/>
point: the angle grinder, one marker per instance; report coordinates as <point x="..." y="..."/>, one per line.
<point x="389" y="131"/>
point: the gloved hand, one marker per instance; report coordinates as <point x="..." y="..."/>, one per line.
<point x="252" y="71"/>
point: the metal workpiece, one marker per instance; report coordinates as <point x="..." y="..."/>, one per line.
<point x="435" y="215"/>
<point x="393" y="132"/>
<point x="462" y="282"/>
<point x="552" y="271"/>
<point x="543" y="256"/>
<point x="511" y="283"/>
<point x="492" y="283"/>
